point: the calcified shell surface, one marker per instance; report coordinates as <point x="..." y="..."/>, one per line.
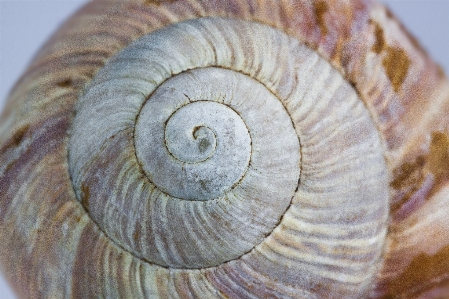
<point x="201" y="149"/>
<point x="259" y="212"/>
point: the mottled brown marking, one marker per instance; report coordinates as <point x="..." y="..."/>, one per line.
<point x="85" y="195"/>
<point x="17" y="138"/>
<point x="408" y="174"/>
<point x="396" y="64"/>
<point x="20" y="134"/>
<point x="320" y="9"/>
<point x="439" y="154"/>
<point x="422" y="270"/>
<point x="379" y="43"/>
<point x="65" y="83"/>
<point x="409" y="177"/>
<point x="339" y="50"/>
<point x="438" y="158"/>
<point x="158" y="2"/>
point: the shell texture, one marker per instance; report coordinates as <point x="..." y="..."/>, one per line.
<point x="227" y="149"/>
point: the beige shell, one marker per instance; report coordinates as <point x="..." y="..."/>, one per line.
<point x="227" y="149"/>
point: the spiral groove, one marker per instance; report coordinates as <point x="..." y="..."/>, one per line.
<point x="194" y="167"/>
<point x="221" y="158"/>
<point x="196" y="144"/>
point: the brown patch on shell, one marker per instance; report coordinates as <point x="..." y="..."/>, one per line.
<point x="410" y="178"/>
<point x="65" y="83"/>
<point x="408" y="173"/>
<point x="158" y="2"/>
<point x="438" y="159"/>
<point x="339" y="52"/>
<point x="379" y="43"/>
<point x="320" y="9"/>
<point x="396" y="64"/>
<point x="423" y="268"/>
<point x="85" y="195"/>
<point x="17" y="138"/>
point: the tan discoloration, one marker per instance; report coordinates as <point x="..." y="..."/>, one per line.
<point x="65" y="83"/>
<point x="419" y="274"/>
<point x="320" y="9"/>
<point x="396" y="64"/>
<point x="339" y="51"/>
<point x="19" y="135"/>
<point x="410" y="176"/>
<point x="85" y="196"/>
<point x="159" y="2"/>
<point x="408" y="179"/>
<point x="379" y="43"/>
<point x="17" y="138"/>
<point x="395" y="60"/>
<point x="438" y="159"/>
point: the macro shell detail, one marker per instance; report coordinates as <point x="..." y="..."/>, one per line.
<point x="227" y="149"/>
<point x="228" y="205"/>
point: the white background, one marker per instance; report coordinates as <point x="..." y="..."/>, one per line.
<point x="26" y="25"/>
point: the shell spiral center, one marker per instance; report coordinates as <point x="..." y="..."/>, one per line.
<point x="201" y="148"/>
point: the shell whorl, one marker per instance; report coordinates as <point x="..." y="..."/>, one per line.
<point x="213" y="150"/>
<point x="257" y="114"/>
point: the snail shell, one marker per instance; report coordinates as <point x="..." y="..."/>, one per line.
<point x="238" y="149"/>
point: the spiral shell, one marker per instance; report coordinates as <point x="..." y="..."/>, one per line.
<point x="238" y="149"/>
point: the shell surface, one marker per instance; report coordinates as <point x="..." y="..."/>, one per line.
<point x="201" y="149"/>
